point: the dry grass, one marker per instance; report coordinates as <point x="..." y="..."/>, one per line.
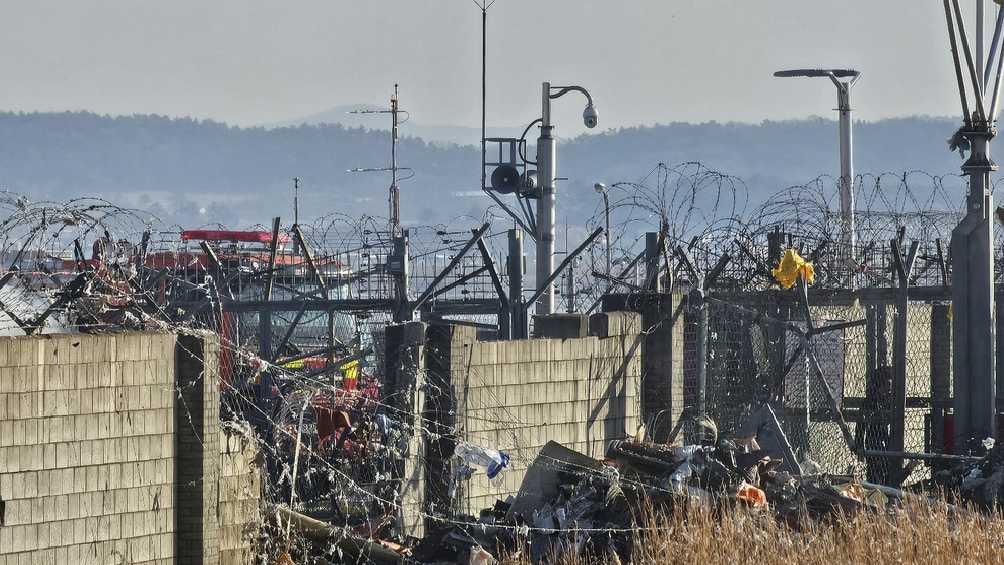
<point x="919" y="534"/>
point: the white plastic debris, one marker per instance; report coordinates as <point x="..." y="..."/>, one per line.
<point x="679" y="478"/>
<point x="477" y="457"/>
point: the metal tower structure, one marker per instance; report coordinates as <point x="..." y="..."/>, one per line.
<point x="547" y="177"/>
<point x="394" y="195"/>
<point x="973" y="319"/>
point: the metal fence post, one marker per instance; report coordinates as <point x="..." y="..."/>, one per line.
<point x="903" y="267"/>
<point x="518" y="328"/>
<point x="399" y="266"/>
<point x="941" y="373"/>
<point x="653" y="261"/>
<point x="702" y="351"/>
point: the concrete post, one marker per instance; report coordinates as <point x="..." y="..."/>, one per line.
<point x="197" y="449"/>
<point x="404" y="384"/>
<point x="662" y="400"/>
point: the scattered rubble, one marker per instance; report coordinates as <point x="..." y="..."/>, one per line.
<point x="977" y="481"/>
<point x="571" y="503"/>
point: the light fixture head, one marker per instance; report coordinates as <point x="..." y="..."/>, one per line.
<point x="589" y="116"/>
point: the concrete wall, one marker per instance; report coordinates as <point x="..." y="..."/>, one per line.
<point x="516" y="395"/>
<point x="663" y="392"/>
<point x="404" y="384"/>
<point x="91" y="436"/>
<point x="86" y="467"/>
<point x="239" y="495"/>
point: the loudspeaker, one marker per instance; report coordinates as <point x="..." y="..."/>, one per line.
<point x="505" y="179"/>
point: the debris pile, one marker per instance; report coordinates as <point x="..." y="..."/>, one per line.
<point x="978" y="481"/>
<point x="570" y="504"/>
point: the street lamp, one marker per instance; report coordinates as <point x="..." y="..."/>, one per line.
<point x="851" y="76"/>
<point x="602" y="189"/>
<point x="546" y="173"/>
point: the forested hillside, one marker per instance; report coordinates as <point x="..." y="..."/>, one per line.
<point x="197" y="172"/>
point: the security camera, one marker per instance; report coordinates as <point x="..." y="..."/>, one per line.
<point x="589" y="116"/>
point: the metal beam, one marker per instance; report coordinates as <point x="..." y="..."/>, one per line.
<point x="478" y="233"/>
<point x="614" y="281"/>
<point x="289" y="333"/>
<point x="561" y="267"/>
<point x="308" y="254"/>
<point x="313" y="353"/>
<point x="217" y="266"/>
<point x="70" y="292"/>
<point x="459" y="282"/>
<point x="273" y="249"/>
<point x="486" y="256"/>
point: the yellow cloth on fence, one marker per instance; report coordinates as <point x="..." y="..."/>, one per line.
<point x="350" y="369"/>
<point x="791" y="267"/>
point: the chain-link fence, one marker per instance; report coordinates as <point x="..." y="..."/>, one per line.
<point x="831" y="384"/>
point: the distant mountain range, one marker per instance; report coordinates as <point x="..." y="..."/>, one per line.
<point x="193" y="172"/>
<point x="349" y="117"/>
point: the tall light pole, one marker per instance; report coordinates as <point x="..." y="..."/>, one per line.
<point x="602" y="189"/>
<point x="843" y="79"/>
<point x="547" y="173"/>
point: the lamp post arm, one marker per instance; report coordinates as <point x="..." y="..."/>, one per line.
<point x="563" y="90"/>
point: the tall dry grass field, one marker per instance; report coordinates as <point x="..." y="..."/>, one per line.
<point x="918" y="534"/>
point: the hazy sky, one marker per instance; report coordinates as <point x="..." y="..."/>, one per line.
<point x="256" y="61"/>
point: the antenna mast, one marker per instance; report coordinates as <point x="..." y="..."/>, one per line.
<point x="394" y="196"/>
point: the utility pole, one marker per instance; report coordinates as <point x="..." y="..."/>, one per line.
<point x="546" y="156"/>
<point x="547" y="175"/>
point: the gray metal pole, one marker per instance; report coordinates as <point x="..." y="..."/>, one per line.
<point x="546" y="167"/>
<point x="653" y="261"/>
<point x="981" y="21"/>
<point x="265" y="334"/>
<point x="606" y="213"/>
<point x="395" y="196"/>
<point x="517" y="318"/>
<point x="702" y="350"/>
<point x="897" y="439"/>
<point x="973" y="312"/>
<point x="849" y="237"/>
<point x="941" y="372"/>
<point x="400" y="266"/>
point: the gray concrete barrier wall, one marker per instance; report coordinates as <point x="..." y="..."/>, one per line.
<point x="90" y="465"/>
<point x="517" y="395"/>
